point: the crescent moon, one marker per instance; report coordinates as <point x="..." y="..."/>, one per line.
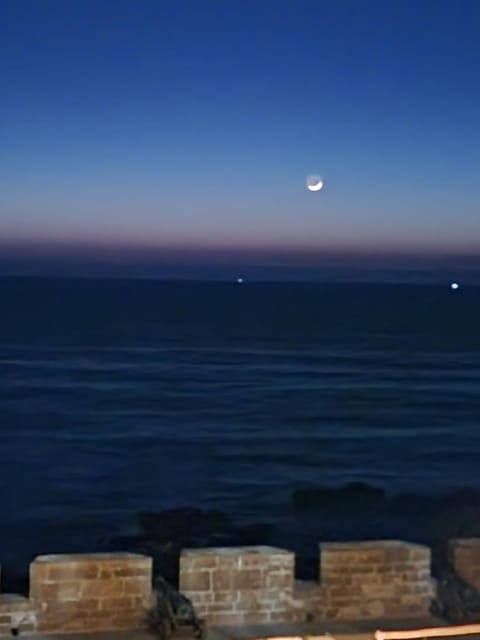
<point x="315" y="187"/>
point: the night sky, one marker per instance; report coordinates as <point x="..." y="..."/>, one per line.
<point x="181" y="132"/>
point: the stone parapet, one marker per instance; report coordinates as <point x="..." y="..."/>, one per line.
<point x="17" y="615"/>
<point x="84" y="593"/>
<point x="376" y="579"/>
<point x="230" y="586"/>
<point x="90" y="592"/>
<point x="308" y="603"/>
<point x="252" y="585"/>
<point x="465" y="558"/>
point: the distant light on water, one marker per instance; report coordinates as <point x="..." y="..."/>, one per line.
<point x="454" y="286"/>
<point x="240" y="280"/>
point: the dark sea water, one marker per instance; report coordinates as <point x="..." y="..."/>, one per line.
<point x="121" y="396"/>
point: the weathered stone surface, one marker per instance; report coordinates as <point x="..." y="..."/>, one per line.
<point x="200" y="580"/>
<point x="458" y="581"/>
<point x="385" y="578"/>
<point x="244" y="581"/>
<point x="465" y="557"/>
<point x="90" y="592"/>
<point x="16" y="613"/>
<point x="236" y="585"/>
<point x="358" y="580"/>
<point x="323" y="497"/>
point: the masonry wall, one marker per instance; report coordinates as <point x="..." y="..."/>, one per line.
<point x="90" y="592"/>
<point x="230" y="586"/>
<point x="16" y="613"/>
<point x="379" y="579"/>
<point x="465" y="558"/>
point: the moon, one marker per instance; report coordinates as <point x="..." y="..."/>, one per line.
<point x="314" y="183"/>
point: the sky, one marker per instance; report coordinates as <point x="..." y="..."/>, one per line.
<point x="163" y="134"/>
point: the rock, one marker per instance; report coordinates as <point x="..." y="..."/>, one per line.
<point x="356" y="494"/>
<point x="192" y="527"/>
<point x="184" y="523"/>
<point x="250" y="534"/>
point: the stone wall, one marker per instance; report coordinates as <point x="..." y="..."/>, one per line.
<point x="16" y="614"/>
<point x="230" y="586"/>
<point x="90" y="592"/>
<point x="380" y="579"/>
<point x="308" y="602"/>
<point x="465" y="558"/>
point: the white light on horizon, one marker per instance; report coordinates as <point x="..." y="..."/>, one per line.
<point x="454" y="286"/>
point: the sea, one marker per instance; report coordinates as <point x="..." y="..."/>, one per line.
<point x="323" y="410"/>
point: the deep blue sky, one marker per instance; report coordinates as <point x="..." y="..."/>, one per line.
<point x="182" y="130"/>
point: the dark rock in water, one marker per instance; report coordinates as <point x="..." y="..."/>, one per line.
<point x="414" y="503"/>
<point x="183" y="523"/>
<point x="307" y="567"/>
<point x="452" y="515"/>
<point x="357" y="494"/>
<point x="166" y="559"/>
<point x="411" y="503"/>
<point x="250" y="534"/>
<point x="119" y="543"/>
<point x="197" y="527"/>
<point x="322" y="513"/>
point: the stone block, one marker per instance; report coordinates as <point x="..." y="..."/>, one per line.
<point x="279" y="580"/>
<point x="221" y="579"/>
<point x="248" y="601"/>
<point x="195" y="580"/>
<point x="358" y="583"/>
<point x="191" y="560"/>
<point x="101" y="588"/>
<point x="16" y="612"/>
<point x="135" y="586"/>
<point x="226" y="619"/>
<point x="261" y="618"/>
<point x="72" y="571"/>
<point x="90" y="592"/>
<point x="465" y="557"/>
<point x="247" y="579"/>
<point x="243" y="580"/>
<point x="225" y="596"/>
